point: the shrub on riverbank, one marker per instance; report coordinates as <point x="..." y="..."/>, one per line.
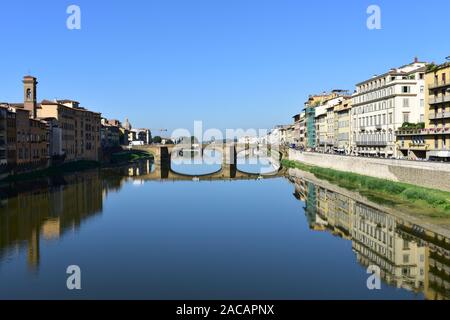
<point x="380" y="189"/>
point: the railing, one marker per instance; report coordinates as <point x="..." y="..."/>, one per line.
<point x="438" y="84"/>
<point x="372" y="143"/>
<point x="437" y="100"/>
<point x="415" y="145"/>
<point x="439" y="115"/>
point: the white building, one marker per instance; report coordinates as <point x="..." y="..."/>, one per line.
<point x="383" y="104"/>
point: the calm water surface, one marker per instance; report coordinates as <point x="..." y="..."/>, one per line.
<point x="144" y="233"/>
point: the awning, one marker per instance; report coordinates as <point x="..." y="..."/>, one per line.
<point x="440" y="154"/>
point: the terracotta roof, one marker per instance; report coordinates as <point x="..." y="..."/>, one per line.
<point x="49" y="102"/>
<point x="67" y="101"/>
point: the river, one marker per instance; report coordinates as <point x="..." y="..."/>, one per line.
<point x="149" y="232"/>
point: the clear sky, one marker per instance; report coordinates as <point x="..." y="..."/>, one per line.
<point x="230" y="63"/>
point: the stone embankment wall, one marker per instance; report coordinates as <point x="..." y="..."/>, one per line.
<point x="426" y="174"/>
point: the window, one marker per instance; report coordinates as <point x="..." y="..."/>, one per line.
<point x="405" y="245"/>
<point x="405" y="102"/>
<point x="406" y="89"/>
<point x="405" y="117"/>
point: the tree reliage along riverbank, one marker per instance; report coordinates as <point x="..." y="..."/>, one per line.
<point x="121" y="158"/>
<point x="430" y="202"/>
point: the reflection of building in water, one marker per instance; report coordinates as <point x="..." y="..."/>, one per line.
<point x="377" y="242"/>
<point x="140" y="168"/>
<point x="409" y="256"/>
<point x="51" y="229"/>
<point x="48" y="212"/>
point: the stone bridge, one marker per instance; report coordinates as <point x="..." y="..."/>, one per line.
<point x="163" y="157"/>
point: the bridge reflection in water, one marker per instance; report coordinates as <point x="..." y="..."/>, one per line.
<point x="210" y="163"/>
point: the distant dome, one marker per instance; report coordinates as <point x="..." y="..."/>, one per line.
<point x="127" y="125"/>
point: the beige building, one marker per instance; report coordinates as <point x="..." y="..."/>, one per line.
<point x="325" y="118"/>
<point x="26" y="139"/>
<point x="299" y="132"/>
<point x="343" y="127"/>
<point x="80" y="128"/>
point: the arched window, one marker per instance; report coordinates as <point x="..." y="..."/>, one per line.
<point x="28" y="94"/>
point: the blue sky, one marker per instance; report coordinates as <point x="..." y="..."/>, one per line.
<point x="230" y="63"/>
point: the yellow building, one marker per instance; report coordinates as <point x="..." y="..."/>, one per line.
<point x="325" y="118"/>
<point x="437" y="112"/>
<point x="342" y="127"/>
<point x="80" y="128"/>
<point x="431" y="140"/>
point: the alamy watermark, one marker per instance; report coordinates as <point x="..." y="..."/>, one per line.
<point x="73" y="21"/>
<point x="74" y="280"/>
<point x="374" y="280"/>
<point x="374" y="19"/>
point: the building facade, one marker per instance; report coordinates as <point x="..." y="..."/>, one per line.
<point x="437" y="112"/>
<point x="383" y="104"/>
<point x="80" y="128"/>
<point x="342" y="127"/>
<point x="432" y="139"/>
<point x="3" y="139"/>
<point x="55" y="150"/>
<point x="325" y="121"/>
<point x="310" y="126"/>
<point x="110" y="134"/>
<point x="299" y="130"/>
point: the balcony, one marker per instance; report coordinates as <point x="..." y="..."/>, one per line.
<point x="438" y="100"/>
<point x="439" y="115"/>
<point x="423" y="132"/>
<point x="418" y="146"/>
<point x="372" y="143"/>
<point x="439" y="84"/>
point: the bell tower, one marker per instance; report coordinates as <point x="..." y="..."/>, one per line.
<point x="30" y="94"/>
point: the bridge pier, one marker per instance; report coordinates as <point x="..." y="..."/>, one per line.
<point x="229" y="161"/>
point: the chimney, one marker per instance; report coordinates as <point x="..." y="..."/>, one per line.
<point x="416" y="59"/>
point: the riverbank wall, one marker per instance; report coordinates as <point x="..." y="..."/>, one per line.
<point x="425" y="174"/>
